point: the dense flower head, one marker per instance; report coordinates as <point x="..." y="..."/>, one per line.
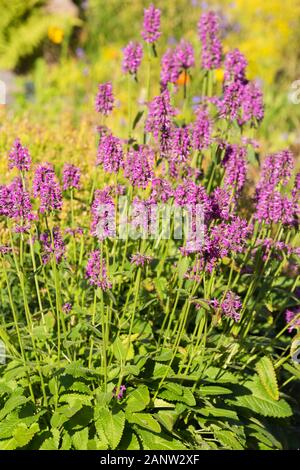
<point x="140" y="260"/>
<point x="272" y="206"/>
<point x="231" y="306"/>
<point x="110" y="153"/>
<point x="138" y="167"/>
<point x="230" y="104"/>
<point x="292" y="318"/>
<point x="19" y="157"/>
<point x="201" y="129"/>
<point x="252" y="106"/>
<point x="52" y="244"/>
<point x="184" y="54"/>
<point x="67" y="307"/>
<point x="159" y="119"/>
<point x="15" y="201"/>
<point x="161" y="190"/>
<point x="71" y="176"/>
<point x="47" y="188"/>
<point x="220" y="202"/>
<point x="180" y="144"/>
<point x="276" y="169"/>
<point x="104" y="102"/>
<point x="235" y="166"/>
<point x="103" y="214"/>
<point x="189" y="193"/>
<point x="132" y="57"/>
<point x="96" y="271"/>
<point x="235" y="66"/>
<point x="170" y="69"/>
<point x="151" y="24"/>
<point x="209" y="34"/>
<point x="231" y="236"/>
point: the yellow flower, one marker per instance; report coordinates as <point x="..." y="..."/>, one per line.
<point x="55" y="34"/>
<point x="219" y="74"/>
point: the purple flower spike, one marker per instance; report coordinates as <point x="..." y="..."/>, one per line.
<point x="151" y="24"/>
<point x="55" y="247"/>
<point x="185" y="55"/>
<point x="71" y="177"/>
<point x="46" y="187"/>
<point x="208" y="29"/>
<point x="170" y="68"/>
<point x="140" y="260"/>
<point x="96" y="272"/>
<point x="110" y="153"/>
<point x="132" y="57"/>
<point x="138" y="167"/>
<point x="19" y="157"/>
<point x="231" y="306"/>
<point x="104" y="100"/>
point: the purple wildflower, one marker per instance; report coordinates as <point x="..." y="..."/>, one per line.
<point x="71" y="176"/>
<point x="4" y="250"/>
<point x="185" y="55"/>
<point x="19" y="157"/>
<point x="15" y="201"/>
<point x="220" y="201"/>
<point x="180" y="144"/>
<point x="96" y="271"/>
<point x="151" y="24"/>
<point x="252" y="106"/>
<point x="160" y="114"/>
<point x="277" y="169"/>
<point x="272" y="206"/>
<point x="121" y="392"/>
<point x="235" y="166"/>
<point x="103" y="215"/>
<point x="201" y="129"/>
<point x="208" y="29"/>
<point x="291" y="320"/>
<point x="132" y="57"/>
<point x="161" y="190"/>
<point x="110" y="153"/>
<point x="235" y="66"/>
<point x="170" y="69"/>
<point x="230" y="104"/>
<point x="52" y="245"/>
<point x="140" y="260"/>
<point x="47" y="188"/>
<point x="138" y="167"/>
<point x="231" y="306"/>
<point x="104" y="100"/>
<point x="67" y="307"/>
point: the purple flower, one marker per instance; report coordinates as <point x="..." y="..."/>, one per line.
<point x="67" y="307"/>
<point x="161" y="190"/>
<point x="151" y="24"/>
<point x="140" y="260"/>
<point x="138" y="167"/>
<point x="201" y="129"/>
<point x="252" y="103"/>
<point x="15" y="201"/>
<point x="220" y="202"/>
<point x="235" y="167"/>
<point x="96" y="271"/>
<point x="277" y="169"/>
<point x="46" y="187"/>
<point x="231" y="306"/>
<point x="103" y="214"/>
<point x="208" y="30"/>
<point x="52" y="245"/>
<point x="4" y="250"/>
<point x="19" y="157"/>
<point x="159" y="120"/>
<point x="170" y="68"/>
<point x="185" y="55"/>
<point x="235" y="66"/>
<point x="121" y="392"/>
<point x="272" y="206"/>
<point x="291" y="320"/>
<point x="71" y="176"/>
<point x="181" y="144"/>
<point x="104" y="100"/>
<point x="132" y="57"/>
<point x="110" y="153"/>
<point x="230" y="104"/>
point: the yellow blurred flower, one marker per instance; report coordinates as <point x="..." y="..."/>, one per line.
<point x="219" y="74"/>
<point x="111" y="52"/>
<point x="55" y="34"/>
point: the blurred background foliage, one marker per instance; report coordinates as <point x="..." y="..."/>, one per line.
<point x="53" y="53"/>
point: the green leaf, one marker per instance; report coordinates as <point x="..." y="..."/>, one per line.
<point x="267" y="375"/>
<point x="23" y="435"/>
<point x="145" y="420"/>
<point x="12" y="403"/>
<point x="113" y="423"/>
<point x="209" y="390"/>
<point x="80" y="439"/>
<point x="119" y="349"/>
<point x="176" y="392"/>
<point x="138" y="399"/>
<point x="137" y="119"/>
<point x="159" y="441"/>
<point x="167" y="418"/>
<point x="228" y="439"/>
<point x="129" y="441"/>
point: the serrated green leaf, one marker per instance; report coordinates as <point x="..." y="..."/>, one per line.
<point x="113" y="423"/>
<point x="145" y="420"/>
<point x="153" y="441"/>
<point x="138" y="399"/>
<point x="80" y="439"/>
<point x="228" y="439"/>
<point x="267" y="375"/>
